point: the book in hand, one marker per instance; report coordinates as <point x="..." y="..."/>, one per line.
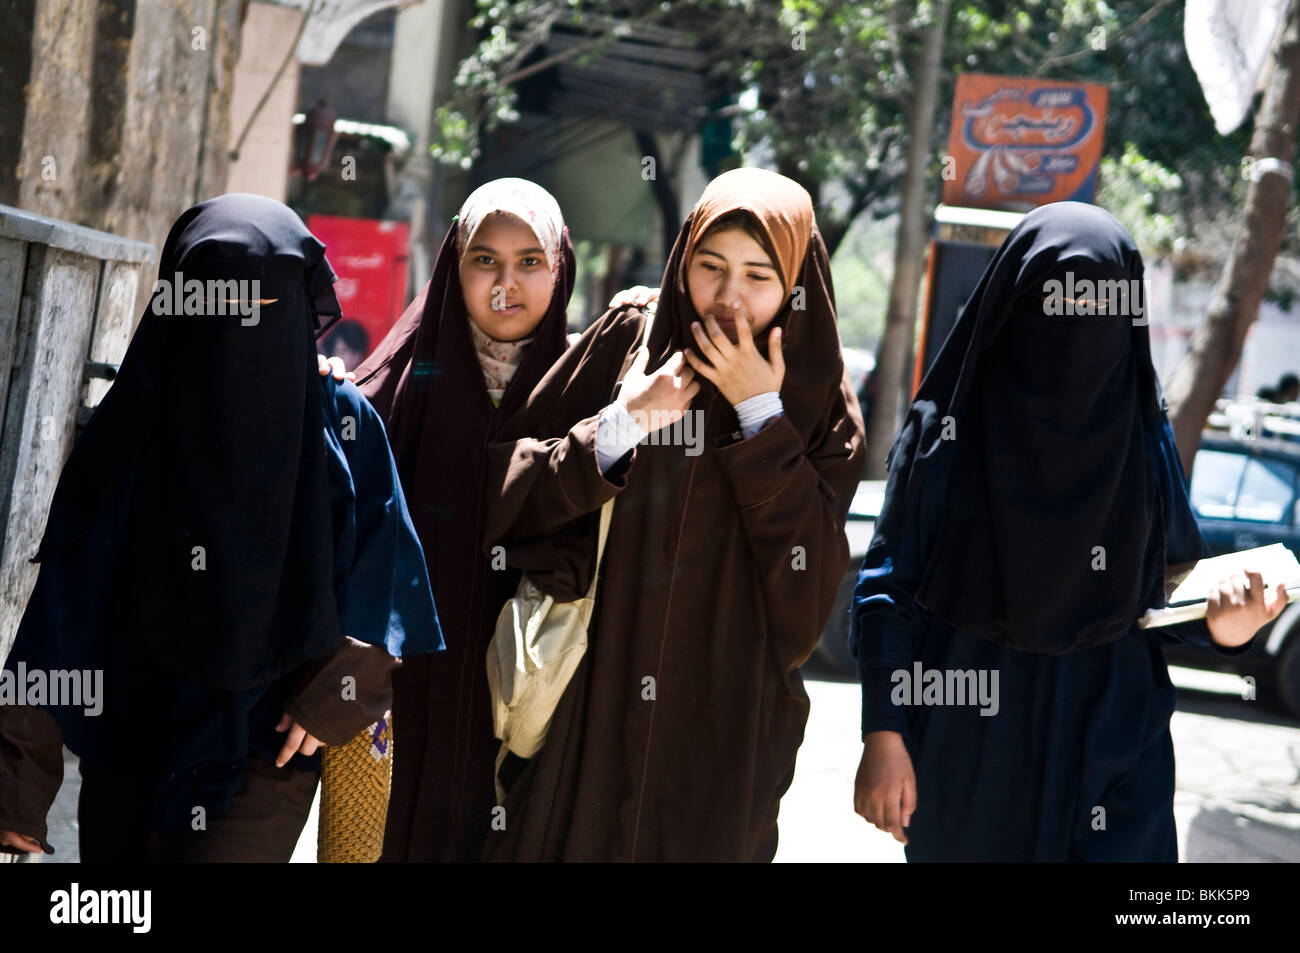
<point x="1188" y="585"/>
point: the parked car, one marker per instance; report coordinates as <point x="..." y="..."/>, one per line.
<point x="1245" y="492"/>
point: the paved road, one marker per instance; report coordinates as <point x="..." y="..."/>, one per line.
<point x="1237" y="799"/>
<point x="1237" y="795"/>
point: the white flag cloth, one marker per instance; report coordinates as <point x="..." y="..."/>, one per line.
<point x="1227" y="42"/>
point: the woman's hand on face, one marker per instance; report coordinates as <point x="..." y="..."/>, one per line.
<point x="299" y="741"/>
<point x="884" y="792"/>
<point x="328" y="365"/>
<point x="20" y="841"/>
<point x="738" y="370"/>
<point x="657" y="400"/>
<point x="638" y="296"/>
<point x="1237" y="609"/>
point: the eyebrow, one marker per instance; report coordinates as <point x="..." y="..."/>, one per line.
<point x="493" y="251"/>
<point x="748" y="264"/>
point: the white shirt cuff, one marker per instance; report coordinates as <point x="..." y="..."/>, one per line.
<point x="758" y="410"/>
<point x="616" y="434"/>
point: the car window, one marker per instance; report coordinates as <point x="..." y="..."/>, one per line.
<point x="1216" y="474"/>
<point x="1266" y="491"/>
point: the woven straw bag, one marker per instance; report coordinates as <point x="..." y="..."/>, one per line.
<point x="355" y="782"/>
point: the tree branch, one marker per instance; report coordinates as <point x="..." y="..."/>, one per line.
<point x="1088" y="51"/>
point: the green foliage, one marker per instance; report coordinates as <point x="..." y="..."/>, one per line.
<point x="1135" y="189"/>
<point x="863" y="266"/>
<point x="456" y="142"/>
<point x="826" y="86"/>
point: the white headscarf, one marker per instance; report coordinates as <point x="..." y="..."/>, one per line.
<point x="536" y="208"/>
<point x="526" y="201"/>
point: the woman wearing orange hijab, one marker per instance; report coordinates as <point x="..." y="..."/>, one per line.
<point x="677" y="736"/>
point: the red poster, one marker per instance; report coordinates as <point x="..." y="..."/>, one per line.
<point x="1019" y="143"/>
<point x="369" y="256"/>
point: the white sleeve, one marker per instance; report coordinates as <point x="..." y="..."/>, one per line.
<point x="616" y="434"/>
<point x="758" y="410"/>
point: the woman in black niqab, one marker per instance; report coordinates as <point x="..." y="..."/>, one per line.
<point x="1033" y="500"/>
<point x="1043" y="410"/>
<point x="214" y="546"/>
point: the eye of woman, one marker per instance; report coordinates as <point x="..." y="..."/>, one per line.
<point x="754" y="277"/>
<point x="530" y="261"/>
<point x="709" y="266"/>
<point x="484" y="260"/>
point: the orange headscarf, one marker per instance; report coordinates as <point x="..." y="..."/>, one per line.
<point x="782" y="207"/>
<point x="810" y="339"/>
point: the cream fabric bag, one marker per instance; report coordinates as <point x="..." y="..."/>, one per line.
<point x="534" y="651"/>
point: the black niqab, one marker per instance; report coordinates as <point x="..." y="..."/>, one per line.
<point x="212" y="432"/>
<point x="1051" y="539"/>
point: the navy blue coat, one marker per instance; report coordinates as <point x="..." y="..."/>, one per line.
<point x="184" y="740"/>
<point x="1077" y="764"/>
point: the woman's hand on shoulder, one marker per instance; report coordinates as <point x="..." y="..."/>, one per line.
<point x="638" y="296"/>
<point x="660" y="398"/>
<point x="335" y="366"/>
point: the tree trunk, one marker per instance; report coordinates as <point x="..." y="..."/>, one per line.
<point x="833" y="232"/>
<point x="1216" y="349"/>
<point x="662" y="187"/>
<point x="900" y="322"/>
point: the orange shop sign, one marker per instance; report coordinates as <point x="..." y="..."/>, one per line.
<point x="1018" y="143"/>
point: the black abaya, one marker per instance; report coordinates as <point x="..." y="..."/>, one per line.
<point x="1033" y="501"/>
